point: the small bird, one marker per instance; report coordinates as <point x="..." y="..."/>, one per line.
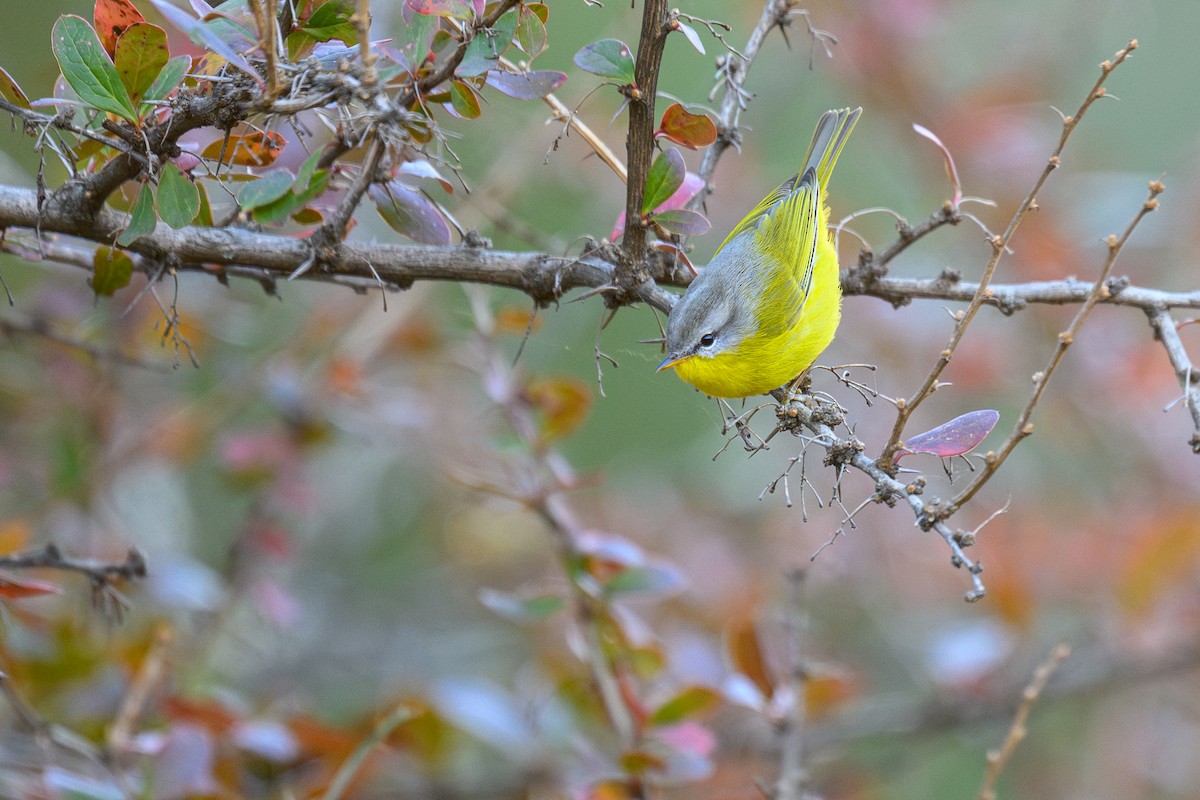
<point x="769" y="301"/>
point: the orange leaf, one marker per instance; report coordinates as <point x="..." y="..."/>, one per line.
<point x="16" y="588"/>
<point x="824" y="693"/>
<point x="246" y="150"/>
<point x="515" y="319"/>
<point x="685" y="128"/>
<point x="745" y="650"/>
<point x="563" y="404"/>
<point x="112" y="17"/>
<point x="1163" y="557"/>
<point x="14" y="535"/>
<point x="608" y="790"/>
<point x="207" y="713"/>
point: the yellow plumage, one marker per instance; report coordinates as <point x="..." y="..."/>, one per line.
<point x="769" y="301"/>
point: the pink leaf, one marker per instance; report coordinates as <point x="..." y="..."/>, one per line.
<point x="692" y="184"/>
<point x="954" y="438"/>
<point x="951" y="172"/>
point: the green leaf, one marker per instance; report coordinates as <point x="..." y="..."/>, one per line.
<point x="142" y="220"/>
<point x="141" y="54"/>
<point x="330" y="20"/>
<point x="111" y="270"/>
<point x="464" y="101"/>
<point x="665" y="176"/>
<point x="178" y="198"/>
<point x="683" y="222"/>
<point x="168" y="79"/>
<point x="308" y="172"/>
<point x="484" y="51"/>
<point x="88" y="68"/>
<point x="608" y="58"/>
<point x="522" y="608"/>
<point x="531" y="33"/>
<point x="204" y="217"/>
<point x="267" y="189"/>
<point x="11" y="92"/>
<point x="410" y="213"/>
<point x="417" y="38"/>
<point x="693" y="701"/>
<point x="649" y="580"/>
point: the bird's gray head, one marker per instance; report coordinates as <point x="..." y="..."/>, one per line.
<point x="714" y="315"/>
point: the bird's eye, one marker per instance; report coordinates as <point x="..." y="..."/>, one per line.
<point x="707" y="340"/>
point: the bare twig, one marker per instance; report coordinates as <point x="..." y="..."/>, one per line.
<point x="1000" y="243"/>
<point x="383" y="729"/>
<point x="103" y="576"/>
<point x="998" y="759"/>
<point x="732" y="71"/>
<point x="793" y="777"/>
<point x="631" y="268"/>
<point x="1023" y="426"/>
<point x="1189" y="377"/>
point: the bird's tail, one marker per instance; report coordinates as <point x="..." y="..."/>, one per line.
<point x="833" y="129"/>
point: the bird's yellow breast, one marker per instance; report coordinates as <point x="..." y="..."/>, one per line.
<point x="762" y="362"/>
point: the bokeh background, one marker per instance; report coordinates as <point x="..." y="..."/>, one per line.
<point x="315" y="556"/>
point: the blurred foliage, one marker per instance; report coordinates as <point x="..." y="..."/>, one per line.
<point x="324" y="568"/>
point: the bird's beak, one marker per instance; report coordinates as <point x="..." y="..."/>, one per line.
<point x="669" y="362"/>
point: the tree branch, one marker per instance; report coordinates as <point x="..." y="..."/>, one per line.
<point x="631" y="269"/>
<point x="1189" y="377"/>
<point x="1000" y="243"/>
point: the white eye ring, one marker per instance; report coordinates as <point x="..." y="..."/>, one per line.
<point x="708" y="340"/>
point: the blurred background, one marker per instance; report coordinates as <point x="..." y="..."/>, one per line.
<point x="317" y="552"/>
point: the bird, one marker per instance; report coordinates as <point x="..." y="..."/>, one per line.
<point x="769" y="301"/>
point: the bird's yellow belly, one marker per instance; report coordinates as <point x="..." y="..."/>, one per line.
<point x="759" y="365"/>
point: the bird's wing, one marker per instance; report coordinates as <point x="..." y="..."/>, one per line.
<point x="759" y="211"/>
<point x="788" y="237"/>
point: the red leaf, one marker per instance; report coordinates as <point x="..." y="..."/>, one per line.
<point x="249" y="150"/>
<point x="112" y="17"/>
<point x="746" y="653"/>
<point x="693" y="131"/>
<point x="14" y="588"/>
<point x="954" y="438"/>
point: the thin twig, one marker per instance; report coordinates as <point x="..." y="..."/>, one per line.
<point x="997" y="760"/>
<point x="383" y="729"/>
<point x="1189" y="377"/>
<point x="1000" y="243"/>
<point x="1023" y="426"/>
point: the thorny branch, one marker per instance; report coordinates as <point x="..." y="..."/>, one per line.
<point x="1000" y="243"/>
<point x="997" y="760"/>
<point x="1189" y="377"/>
<point x="103" y="576"/>
<point x="541" y="489"/>
<point x="732" y="70"/>
<point x="631" y="270"/>
<point x="819" y="416"/>
<point x="1023" y="426"/>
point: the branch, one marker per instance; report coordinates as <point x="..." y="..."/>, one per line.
<point x="1000" y="243"/>
<point x="820" y="416"/>
<point x="1023" y="426"/>
<point x="732" y="71"/>
<point x="631" y="269"/>
<point x="1167" y="332"/>
<point x="997" y="760"/>
<point x="50" y="557"/>
<point x="1012" y="297"/>
<point x="267" y="257"/>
